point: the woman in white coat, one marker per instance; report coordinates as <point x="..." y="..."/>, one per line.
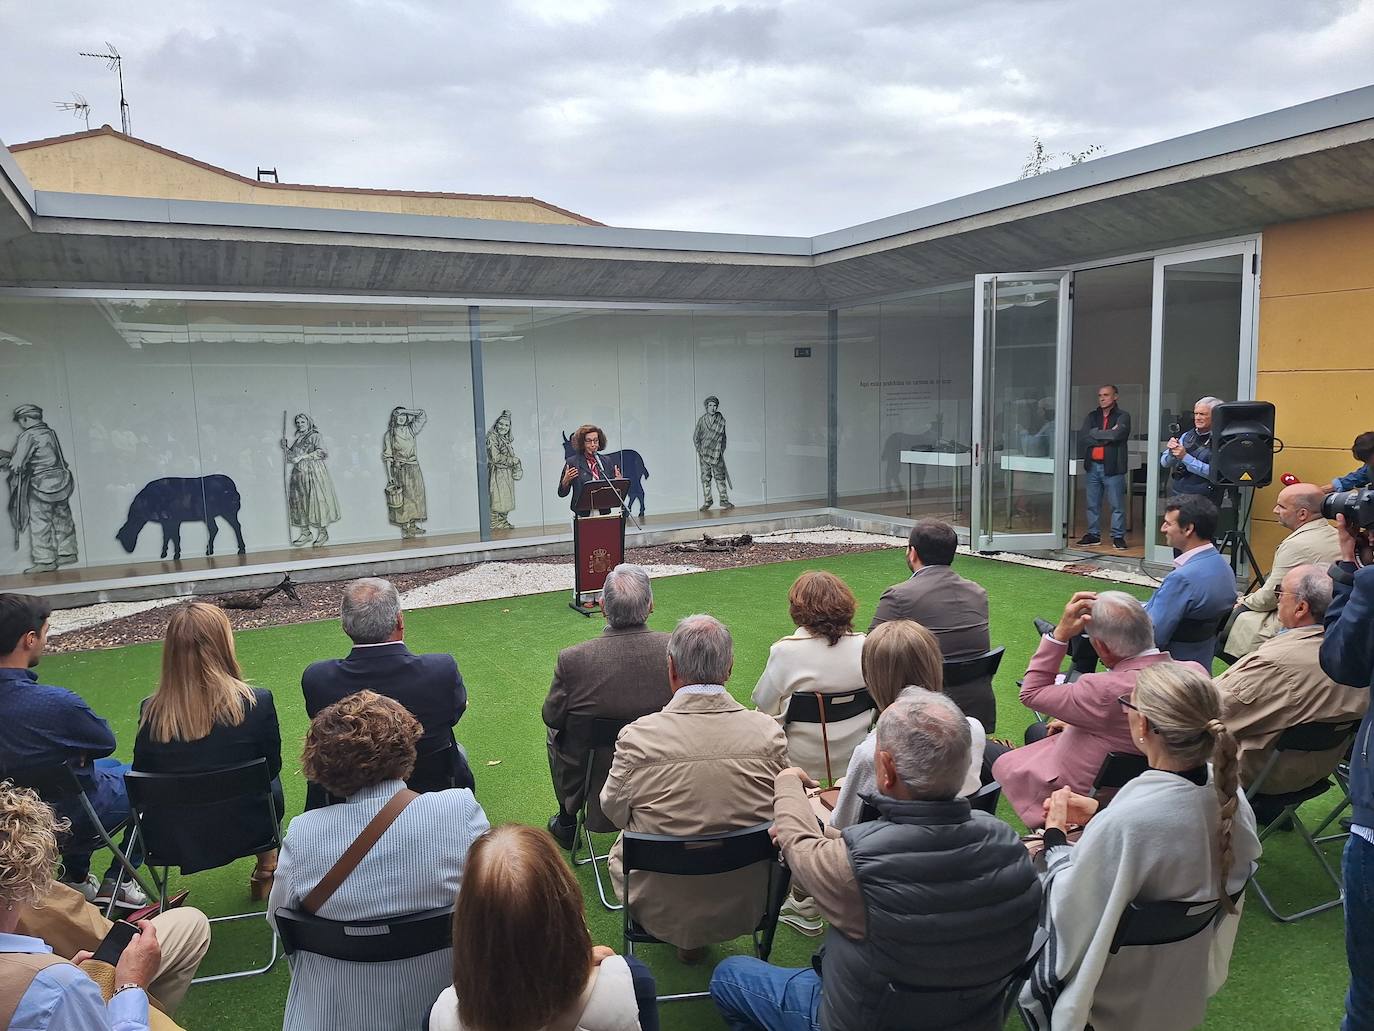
<point x="822" y="657"/>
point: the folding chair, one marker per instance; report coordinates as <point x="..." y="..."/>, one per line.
<point x="702" y="855"/>
<point x="177" y="815"/>
<point x="366" y="941"/>
<point x="1306" y="737"/>
<point x="58" y="787"/>
<point x="1117" y="769"/>
<point x="965" y="671"/>
<point x="597" y="735"/>
<point x="815" y="707"/>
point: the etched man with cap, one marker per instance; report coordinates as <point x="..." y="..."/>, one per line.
<point x="40" y="484"/>
<point x="709" y="439"/>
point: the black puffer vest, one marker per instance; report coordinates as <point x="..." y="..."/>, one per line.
<point x="951" y="904"/>
<point x="1199" y="445"/>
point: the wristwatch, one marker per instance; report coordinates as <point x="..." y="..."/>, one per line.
<point x="1342" y="572"/>
<point x="126" y="987"/>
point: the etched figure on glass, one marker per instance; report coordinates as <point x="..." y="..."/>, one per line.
<point x="406" y="504"/>
<point x="40" y="482"/>
<point x="503" y="469"/>
<point x="311" y="503"/>
<point x="709" y="439"/>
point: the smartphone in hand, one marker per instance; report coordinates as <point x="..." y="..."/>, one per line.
<point x="116" y="940"/>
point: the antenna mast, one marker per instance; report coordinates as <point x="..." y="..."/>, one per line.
<point x="79" y="106"/>
<point x="116" y="64"/>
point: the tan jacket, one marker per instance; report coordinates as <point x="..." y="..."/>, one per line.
<point x="704" y="764"/>
<point x="1317" y="542"/>
<point x="1277" y="686"/>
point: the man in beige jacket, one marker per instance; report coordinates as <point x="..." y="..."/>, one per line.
<point x="703" y="765"/>
<point x="1281" y="684"/>
<point x="1312" y="539"/>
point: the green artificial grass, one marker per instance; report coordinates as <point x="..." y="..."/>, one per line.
<point x="1291" y="976"/>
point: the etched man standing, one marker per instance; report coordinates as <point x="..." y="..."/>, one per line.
<point x="709" y="439"/>
<point x="40" y="484"/>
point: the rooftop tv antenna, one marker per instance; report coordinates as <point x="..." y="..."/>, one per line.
<point x="116" y="64"/>
<point x="79" y="106"/>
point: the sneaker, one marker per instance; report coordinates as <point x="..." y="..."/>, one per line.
<point x="1090" y="538"/>
<point x="90" y="887"/>
<point x="131" y="896"/>
<point x="1119" y="543"/>
<point x="803" y="917"/>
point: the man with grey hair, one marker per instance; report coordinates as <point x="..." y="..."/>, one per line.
<point x="1086" y="720"/>
<point x="929" y="893"/>
<point x="1187" y="457"/>
<point x="620" y="675"/>
<point x="430" y="686"/>
<point x="1280" y="685"/>
<point x="703" y="765"/>
<point x="1298" y="508"/>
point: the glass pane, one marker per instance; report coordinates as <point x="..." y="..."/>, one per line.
<point x="1200" y="348"/>
<point x="1021" y="340"/>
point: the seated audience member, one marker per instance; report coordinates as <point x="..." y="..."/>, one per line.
<point x="1188" y="607"/>
<point x="1311" y="539"/>
<point x="1169" y="835"/>
<point x="204" y="717"/>
<point x="429" y="686"/>
<point x="896" y="655"/>
<point x="1363" y="452"/>
<point x="362" y="749"/>
<point x="620" y="675"/>
<point x="955" y="610"/>
<point x="822" y="657"/>
<point x="48" y="930"/>
<point x="523" y="957"/>
<point x="703" y="765"/>
<point x="1282" y="685"/>
<point x="931" y="894"/>
<point x="1086" y="720"/>
<point x="42" y="725"/>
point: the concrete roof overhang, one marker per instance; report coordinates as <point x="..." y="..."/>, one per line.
<point x="1313" y="159"/>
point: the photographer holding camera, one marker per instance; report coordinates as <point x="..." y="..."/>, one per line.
<point x="1347" y="656"/>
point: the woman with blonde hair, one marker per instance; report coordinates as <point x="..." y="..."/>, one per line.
<point x="523" y="959"/>
<point x="823" y="657"/>
<point x="204" y="717"/>
<point x="1181" y="831"/>
<point x="896" y="655"/>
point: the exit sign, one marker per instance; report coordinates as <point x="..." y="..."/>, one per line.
<point x="801" y="352"/>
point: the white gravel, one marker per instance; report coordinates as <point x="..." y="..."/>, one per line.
<point x="508" y="580"/>
<point x="827" y="535"/>
<point x="64" y="621"/>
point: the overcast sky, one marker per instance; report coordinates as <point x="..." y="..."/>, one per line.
<point x="770" y="117"/>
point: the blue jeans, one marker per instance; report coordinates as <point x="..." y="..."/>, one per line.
<point x="753" y="994"/>
<point x="1116" y="494"/>
<point x="111" y="803"/>
<point x="645" y="991"/>
<point x="1358" y="869"/>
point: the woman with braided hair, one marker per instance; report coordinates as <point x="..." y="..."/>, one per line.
<point x="1181" y="831"/>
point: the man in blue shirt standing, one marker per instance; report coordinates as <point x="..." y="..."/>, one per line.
<point x="1188" y="607"/>
<point x="42" y="725"/>
<point x="1188" y="457"/>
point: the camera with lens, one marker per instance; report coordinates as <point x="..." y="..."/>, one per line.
<point x="1356" y="505"/>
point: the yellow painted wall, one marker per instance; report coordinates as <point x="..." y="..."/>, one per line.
<point x="1316" y="350"/>
<point x="112" y="165"/>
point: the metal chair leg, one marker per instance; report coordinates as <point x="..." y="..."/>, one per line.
<point x="1312" y="844"/>
<point x="596" y="862"/>
<point x="236" y="974"/>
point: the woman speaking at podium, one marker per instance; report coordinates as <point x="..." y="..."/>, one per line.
<point x="584" y="466"/>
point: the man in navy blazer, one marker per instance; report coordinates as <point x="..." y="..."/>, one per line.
<point x="429" y="686"/>
<point x="1193" y="599"/>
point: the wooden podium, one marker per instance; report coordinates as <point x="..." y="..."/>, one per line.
<point x="598" y="540"/>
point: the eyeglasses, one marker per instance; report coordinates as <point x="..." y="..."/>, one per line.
<point x="1125" y="702"/>
<point x="1278" y="591"/>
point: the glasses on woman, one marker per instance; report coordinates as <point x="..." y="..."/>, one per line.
<point x="1125" y="702"/>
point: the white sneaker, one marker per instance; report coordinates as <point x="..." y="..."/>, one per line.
<point x="89" y="887"/>
<point x="131" y="896"/>
<point x="803" y="917"/>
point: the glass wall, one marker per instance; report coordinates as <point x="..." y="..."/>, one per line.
<point x="327" y="430"/>
<point x="906" y="386"/>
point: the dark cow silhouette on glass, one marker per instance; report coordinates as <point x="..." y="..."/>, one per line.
<point x="631" y="467"/>
<point x="174" y="500"/>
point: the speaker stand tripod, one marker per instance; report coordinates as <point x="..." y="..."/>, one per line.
<point x="1238" y="545"/>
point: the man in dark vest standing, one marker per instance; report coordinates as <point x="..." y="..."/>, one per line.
<point x="1104" y="439"/>
<point x="1188" y="457"/>
<point x="930" y="895"/>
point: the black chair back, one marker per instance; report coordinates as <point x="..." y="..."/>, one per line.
<point x="965" y="671"/>
<point x="1117" y="769"/>
<point x="1162" y="923"/>
<point x="436" y="765"/>
<point x="198" y="821"/>
<point x="806" y="706"/>
<point x="985" y="798"/>
<point x="590" y="733"/>
<point x="702" y="854"/>
<point x="366" y="941"/>
<point x="1317" y="737"/>
<point x="56" y="784"/>
<point x="1194" y="631"/>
